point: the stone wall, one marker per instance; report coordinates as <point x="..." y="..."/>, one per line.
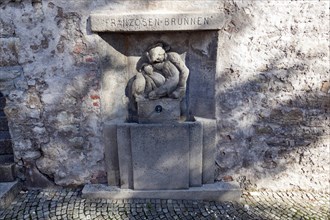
<point x="272" y="93"/>
<point x="50" y="78"/>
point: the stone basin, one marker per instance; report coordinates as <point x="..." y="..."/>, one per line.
<point x="175" y="155"/>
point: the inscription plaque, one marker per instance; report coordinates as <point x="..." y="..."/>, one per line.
<point x="105" y="21"/>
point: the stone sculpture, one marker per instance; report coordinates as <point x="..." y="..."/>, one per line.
<point x="160" y="74"/>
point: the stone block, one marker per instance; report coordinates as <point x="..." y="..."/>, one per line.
<point x="202" y="86"/>
<point x="219" y="192"/>
<point x="158" y="111"/>
<point x="160" y="155"/>
<point x="111" y="153"/>
<point x="34" y="178"/>
<point x="173" y="160"/>
<point x="8" y="158"/>
<point x="128" y="22"/>
<point x="3" y="123"/>
<point x="7" y="172"/>
<point x="6" y="147"/>
<point x="195" y="153"/>
<point x="125" y="156"/>
<point x="7" y="168"/>
<point x="2" y="102"/>
<point x="8" y="192"/>
<point x="4" y="135"/>
<point x="209" y="144"/>
<point x="202" y="107"/>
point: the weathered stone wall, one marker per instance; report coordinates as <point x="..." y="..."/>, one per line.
<point x="50" y="76"/>
<point x="273" y="95"/>
<point x="272" y="90"/>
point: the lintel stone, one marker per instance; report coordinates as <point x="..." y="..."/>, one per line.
<point x="108" y="21"/>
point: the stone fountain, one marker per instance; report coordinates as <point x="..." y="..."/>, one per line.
<point x="165" y="147"/>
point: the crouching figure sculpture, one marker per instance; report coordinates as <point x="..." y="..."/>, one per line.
<point x="161" y="74"/>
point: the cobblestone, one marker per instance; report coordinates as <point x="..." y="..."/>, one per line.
<point x="68" y="204"/>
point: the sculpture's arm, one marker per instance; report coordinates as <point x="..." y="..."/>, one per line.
<point x="184" y="72"/>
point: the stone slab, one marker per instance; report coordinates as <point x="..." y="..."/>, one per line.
<point x="195" y="153"/>
<point x="209" y="192"/>
<point x="159" y="111"/>
<point x="160" y="156"/>
<point x="120" y="141"/>
<point x="8" y="192"/>
<point x="4" y="135"/>
<point x="102" y="21"/>
<point x="202" y="82"/>
<point x="209" y="145"/>
<point x="8" y="158"/>
<point x="7" y="168"/>
<point x="125" y="156"/>
<point x="3" y="123"/>
<point x="111" y="153"/>
<point x="6" y="147"/>
<point x="7" y="172"/>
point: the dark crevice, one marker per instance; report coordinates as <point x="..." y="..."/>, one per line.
<point x="7" y="167"/>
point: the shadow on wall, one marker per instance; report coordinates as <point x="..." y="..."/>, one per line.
<point x="268" y="126"/>
<point x="274" y="125"/>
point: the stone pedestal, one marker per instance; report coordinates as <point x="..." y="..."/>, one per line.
<point x="209" y="192"/>
<point x="165" y="161"/>
<point x="160" y="156"/>
<point x="8" y="192"/>
<point x="158" y="111"/>
<point x="157" y="156"/>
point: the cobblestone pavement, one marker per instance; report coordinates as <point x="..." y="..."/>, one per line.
<point x="68" y="204"/>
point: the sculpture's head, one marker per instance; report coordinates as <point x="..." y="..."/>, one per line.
<point x="156" y="54"/>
